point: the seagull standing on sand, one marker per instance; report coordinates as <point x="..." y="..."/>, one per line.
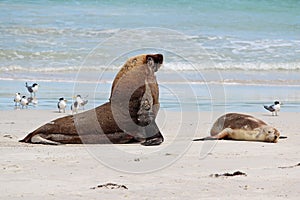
<point x="24" y="102"/>
<point x="83" y="103"/>
<point x="17" y="99"/>
<point x="32" y="100"/>
<point x="75" y="107"/>
<point x="78" y="102"/>
<point x="32" y="89"/>
<point x="62" y="104"/>
<point x="275" y="108"/>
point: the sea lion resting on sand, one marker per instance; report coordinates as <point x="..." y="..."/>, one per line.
<point x="128" y="117"/>
<point x="242" y="127"/>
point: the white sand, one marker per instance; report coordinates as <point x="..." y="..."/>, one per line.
<point x="34" y="171"/>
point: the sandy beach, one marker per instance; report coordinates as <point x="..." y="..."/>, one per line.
<point x="32" y="171"/>
<point x="219" y="57"/>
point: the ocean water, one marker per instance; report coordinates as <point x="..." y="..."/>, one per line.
<point x="219" y="55"/>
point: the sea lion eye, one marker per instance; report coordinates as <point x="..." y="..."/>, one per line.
<point x="269" y="131"/>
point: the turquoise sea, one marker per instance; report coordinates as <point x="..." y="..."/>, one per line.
<point x="231" y="55"/>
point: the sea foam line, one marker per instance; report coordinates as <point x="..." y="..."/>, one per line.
<point x="166" y="67"/>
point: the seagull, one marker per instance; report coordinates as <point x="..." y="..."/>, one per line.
<point x="17" y="99"/>
<point x="32" y="89"/>
<point x="275" y="108"/>
<point x="32" y="100"/>
<point x="24" y="102"/>
<point x="62" y="104"/>
<point x="75" y="107"/>
<point x="78" y="102"/>
<point x="83" y="103"/>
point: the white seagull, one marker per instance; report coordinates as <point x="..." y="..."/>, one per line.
<point x="17" y="99"/>
<point x="24" y="102"/>
<point x="275" y="108"/>
<point x="62" y="104"/>
<point x="78" y="102"/>
<point x="32" y="89"/>
<point x="32" y="100"/>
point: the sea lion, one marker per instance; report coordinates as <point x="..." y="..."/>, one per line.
<point x="128" y="117"/>
<point x="237" y="126"/>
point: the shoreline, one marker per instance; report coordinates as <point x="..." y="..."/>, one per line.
<point x="165" y="76"/>
<point x="33" y="171"/>
<point x="176" y="94"/>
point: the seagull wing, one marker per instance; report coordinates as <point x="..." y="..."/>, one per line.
<point x="84" y="102"/>
<point x="269" y="108"/>
<point x="29" y="88"/>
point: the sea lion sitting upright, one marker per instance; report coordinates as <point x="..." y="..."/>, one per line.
<point x="128" y="117"/>
<point x="242" y="127"/>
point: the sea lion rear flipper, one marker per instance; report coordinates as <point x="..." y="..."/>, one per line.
<point x="223" y="134"/>
<point x="37" y="139"/>
<point x="205" y="138"/>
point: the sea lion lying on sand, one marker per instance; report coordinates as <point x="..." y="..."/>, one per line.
<point x="128" y="117"/>
<point x="237" y="126"/>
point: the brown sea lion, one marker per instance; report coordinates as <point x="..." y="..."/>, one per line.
<point x="237" y="126"/>
<point x="128" y="117"/>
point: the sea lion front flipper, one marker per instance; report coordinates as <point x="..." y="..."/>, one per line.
<point x="152" y="135"/>
<point x="152" y="142"/>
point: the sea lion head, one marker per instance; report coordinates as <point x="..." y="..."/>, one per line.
<point x="271" y="133"/>
<point x="150" y="62"/>
<point x="154" y="61"/>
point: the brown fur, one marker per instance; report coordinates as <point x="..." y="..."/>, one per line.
<point x="235" y="121"/>
<point x="243" y="127"/>
<point x="126" y="118"/>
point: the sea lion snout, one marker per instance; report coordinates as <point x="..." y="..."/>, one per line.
<point x="158" y="58"/>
